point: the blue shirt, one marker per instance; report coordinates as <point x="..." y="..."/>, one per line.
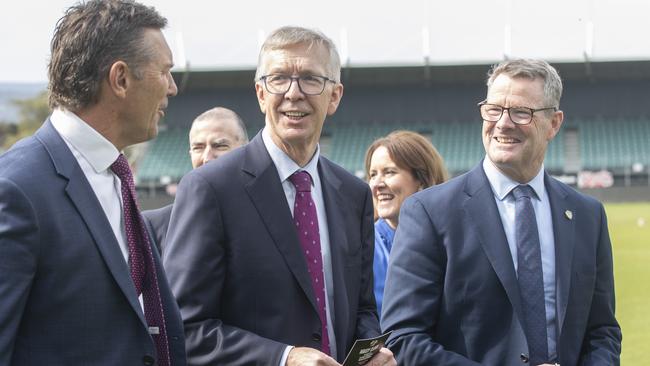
<point x="501" y="187"/>
<point x="383" y="243"/>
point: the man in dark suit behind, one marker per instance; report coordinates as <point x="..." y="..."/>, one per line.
<point x="67" y="295"/>
<point x="505" y="265"/>
<point x="213" y="133"/>
<point x="251" y="288"/>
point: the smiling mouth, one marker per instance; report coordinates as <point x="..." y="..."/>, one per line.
<point x="506" y="140"/>
<point x="384" y="197"/>
<point x="295" y="115"/>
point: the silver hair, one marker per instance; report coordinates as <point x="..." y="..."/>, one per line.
<point x="219" y="113"/>
<point x="531" y="69"/>
<point x="288" y="36"/>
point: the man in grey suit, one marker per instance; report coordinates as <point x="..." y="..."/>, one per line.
<point x="213" y="133"/>
<point x="505" y="265"/>
<point x="269" y="251"/>
<point x="79" y="281"/>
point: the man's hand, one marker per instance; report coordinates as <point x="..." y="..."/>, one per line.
<point x="304" y="356"/>
<point x="383" y="358"/>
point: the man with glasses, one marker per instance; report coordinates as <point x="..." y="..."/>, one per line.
<point x="270" y="247"/>
<point x="504" y="265"/>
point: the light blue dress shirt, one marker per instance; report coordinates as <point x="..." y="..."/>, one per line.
<point x="501" y="187"/>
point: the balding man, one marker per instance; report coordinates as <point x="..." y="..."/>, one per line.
<point x="213" y="133"/>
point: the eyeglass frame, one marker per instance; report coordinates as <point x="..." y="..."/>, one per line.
<point x="297" y="79"/>
<point x="503" y="109"/>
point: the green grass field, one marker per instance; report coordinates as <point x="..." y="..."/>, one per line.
<point x="629" y="229"/>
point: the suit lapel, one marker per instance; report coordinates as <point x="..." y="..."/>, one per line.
<point x="331" y="185"/>
<point x="84" y="199"/>
<point x="564" y="236"/>
<point x="482" y="209"/>
<point x="267" y="195"/>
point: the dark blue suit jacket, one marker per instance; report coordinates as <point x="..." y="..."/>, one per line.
<point x="452" y="296"/>
<point x="66" y="296"/>
<point x="235" y="263"/>
<point x="157" y="222"/>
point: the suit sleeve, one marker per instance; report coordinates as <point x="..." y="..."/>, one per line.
<point x="18" y="257"/>
<point x="195" y="259"/>
<point x="367" y="318"/>
<point x="602" y="342"/>
<point x="414" y="288"/>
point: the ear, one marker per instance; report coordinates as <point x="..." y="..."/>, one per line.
<point x="119" y="78"/>
<point x="259" y="91"/>
<point x="335" y="98"/>
<point x="556" y="123"/>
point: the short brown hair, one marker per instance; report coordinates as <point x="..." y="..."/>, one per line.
<point x="88" y="39"/>
<point x="412" y="152"/>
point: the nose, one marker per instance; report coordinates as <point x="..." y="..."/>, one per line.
<point x="505" y="121"/>
<point x="376" y="182"/>
<point x="294" y="92"/>
<point x="172" y="89"/>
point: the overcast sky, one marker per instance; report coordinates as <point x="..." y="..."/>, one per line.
<point x="226" y="34"/>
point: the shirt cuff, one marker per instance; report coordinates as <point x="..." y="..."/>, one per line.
<point x="285" y="355"/>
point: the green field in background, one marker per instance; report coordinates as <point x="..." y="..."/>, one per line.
<point x="629" y="229"/>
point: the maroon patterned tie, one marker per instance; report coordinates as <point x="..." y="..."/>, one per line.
<point x="143" y="271"/>
<point x="306" y="221"/>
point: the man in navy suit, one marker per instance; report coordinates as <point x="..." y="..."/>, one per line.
<point x="252" y="289"/>
<point x="505" y="265"/>
<point x="66" y="293"/>
<point x="213" y="133"/>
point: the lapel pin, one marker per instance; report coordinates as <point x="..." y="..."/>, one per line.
<point x="568" y="214"/>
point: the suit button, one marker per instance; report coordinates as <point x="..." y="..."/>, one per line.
<point x="524" y="358"/>
<point x="174" y="338"/>
<point x="315" y="337"/>
<point x="148" y="360"/>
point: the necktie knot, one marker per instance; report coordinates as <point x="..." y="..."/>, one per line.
<point x="523" y="190"/>
<point x="122" y="169"/>
<point x="301" y="180"/>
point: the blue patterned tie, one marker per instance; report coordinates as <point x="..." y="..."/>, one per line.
<point x="529" y="275"/>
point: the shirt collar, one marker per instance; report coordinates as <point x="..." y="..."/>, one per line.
<point x="284" y="164"/>
<point x="502" y="184"/>
<point x="95" y="148"/>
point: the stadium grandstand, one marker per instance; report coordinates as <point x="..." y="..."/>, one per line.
<point x="604" y="141"/>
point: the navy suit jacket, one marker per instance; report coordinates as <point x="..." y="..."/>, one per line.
<point x="452" y="296"/>
<point x="235" y="263"/>
<point x="66" y="296"/>
<point x="157" y="222"/>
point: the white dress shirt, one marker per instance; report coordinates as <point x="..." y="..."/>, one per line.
<point x="95" y="154"/>
<point x="501" y="187"/>
<point x="286" y="167"/>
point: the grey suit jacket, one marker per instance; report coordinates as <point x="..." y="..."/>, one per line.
<point x="235" y="263"/>
<point x="157" y="222"/>
<point x="65" y="291"/>
<point x="452" y="296"/>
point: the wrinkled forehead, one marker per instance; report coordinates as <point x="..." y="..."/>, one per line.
<point x="517" y="89"/>
<point x="226" y="127"/>
<point x="311" y="58"/>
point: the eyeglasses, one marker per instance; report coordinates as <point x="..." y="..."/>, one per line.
<point x="518" y="115"/>
<point x="308" y="84"/>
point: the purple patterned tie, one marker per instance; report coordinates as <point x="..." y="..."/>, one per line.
<point x="143" y="271"/>
<point x="306" y="220"/>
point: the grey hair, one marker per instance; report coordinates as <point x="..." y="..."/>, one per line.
<point x="218" y="113"/>
<point x="531" y="69"/>
<point x="288" y="36"/>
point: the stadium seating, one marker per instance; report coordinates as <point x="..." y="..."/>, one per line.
<point x="601" y="144"/>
